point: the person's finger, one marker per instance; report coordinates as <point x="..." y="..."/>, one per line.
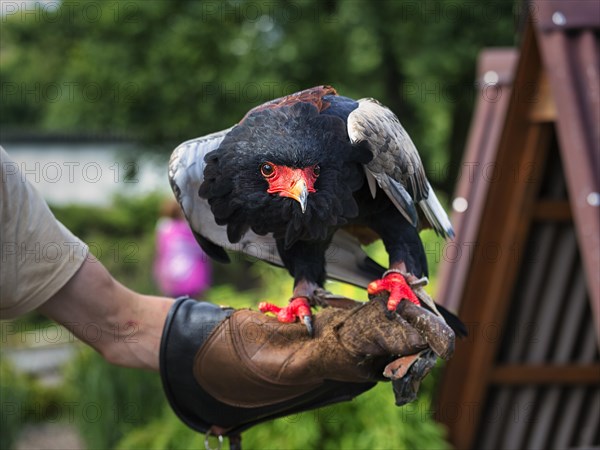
<point x="438" y="335"/>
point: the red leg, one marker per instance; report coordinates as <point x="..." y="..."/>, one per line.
<point x="298" y="308"/>
<point x="395" y="283"/>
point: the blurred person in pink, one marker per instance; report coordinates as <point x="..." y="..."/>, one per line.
<point x="180" y="267"/>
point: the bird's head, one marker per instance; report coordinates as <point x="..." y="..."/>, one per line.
<point x="286" y="171"/>
<point x="295" y="183"/>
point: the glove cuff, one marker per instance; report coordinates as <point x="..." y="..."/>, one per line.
<point x="187" y="328"/>
<point x="188" y="325"/>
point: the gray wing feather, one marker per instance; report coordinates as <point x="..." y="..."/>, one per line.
<point x="396" y="164"/>
<point x="186" y="174"/>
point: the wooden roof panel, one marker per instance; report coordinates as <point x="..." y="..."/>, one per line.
<point x="473" y="184"/>
<point x="570" y="56"/>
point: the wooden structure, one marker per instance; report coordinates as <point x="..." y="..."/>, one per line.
<point x="524" y="270"/>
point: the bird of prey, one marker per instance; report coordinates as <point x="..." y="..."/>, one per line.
<point x="301" y="182"/>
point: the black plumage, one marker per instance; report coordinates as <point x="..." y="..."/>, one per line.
<point x="295" y="136"/>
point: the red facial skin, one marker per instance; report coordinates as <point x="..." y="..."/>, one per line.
<point x="286" y="181"/>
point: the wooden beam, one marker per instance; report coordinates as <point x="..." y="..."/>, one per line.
<point x="546" y="374"/>
<point x="553" y="210"/>
<point x="543" y="108"/>
<point x="505" y="222"/>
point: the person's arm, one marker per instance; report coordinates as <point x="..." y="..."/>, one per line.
<point x="124" y="326"/>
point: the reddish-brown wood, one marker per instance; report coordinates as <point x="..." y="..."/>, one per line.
<point x="546" y="374"/>
<point x="553" y="210"/>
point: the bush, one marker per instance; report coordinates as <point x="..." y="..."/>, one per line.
<point x="370" y="421"/>
<point x="14" y="393"/>
<point x="23" y="400"/>
<point x="113" y="401"/>
<point x="126" y="216"/>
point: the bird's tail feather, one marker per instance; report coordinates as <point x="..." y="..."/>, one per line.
<point x="347" y="262"/>
<point x="436" y="215"/>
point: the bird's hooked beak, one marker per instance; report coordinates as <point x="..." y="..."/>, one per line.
<point x="293" y="183"/>
<point x="299" y="192"/>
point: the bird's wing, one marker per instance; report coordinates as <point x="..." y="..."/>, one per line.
<point x="396" y="166"/>
<point x="186" y="174"/>
<point x="346" y="261"/>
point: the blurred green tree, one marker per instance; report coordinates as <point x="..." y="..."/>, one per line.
<point x="164" y="71"/>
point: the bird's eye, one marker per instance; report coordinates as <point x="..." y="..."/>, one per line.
<point x="267" y="169"/>
<point x="317" y="170"/>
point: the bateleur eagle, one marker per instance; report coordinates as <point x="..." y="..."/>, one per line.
<point x="301" y="182"/>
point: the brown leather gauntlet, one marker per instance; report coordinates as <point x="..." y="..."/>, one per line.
<point x="251" y="367"/>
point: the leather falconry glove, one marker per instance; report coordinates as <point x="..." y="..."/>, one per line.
<point x="225" y="370"/>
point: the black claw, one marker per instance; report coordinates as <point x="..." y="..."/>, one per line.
<point x="391" y="315"/>
<point x="407" y="387"/>
<point x="309" y="325"/>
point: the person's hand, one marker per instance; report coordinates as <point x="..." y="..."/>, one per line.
<point x="226" y="370"/>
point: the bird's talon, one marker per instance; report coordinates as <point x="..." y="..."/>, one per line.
<point x="397" y="286"/>
<point x="298" y="308"/>
<point x="309" y="325"/>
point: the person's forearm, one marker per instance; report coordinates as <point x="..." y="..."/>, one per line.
<point x="124" y="326"/>
<point x="140" y="330"/>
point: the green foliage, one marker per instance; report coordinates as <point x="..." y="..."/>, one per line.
<point x="370" y="421"/>
<point x="120" y="236"/>
<point x="172" y="70"/>
<point x="24" y="400"/>
<point x="14" y="393"/>
<point x="126" y="216"/>
<point x="114" y="400"/>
